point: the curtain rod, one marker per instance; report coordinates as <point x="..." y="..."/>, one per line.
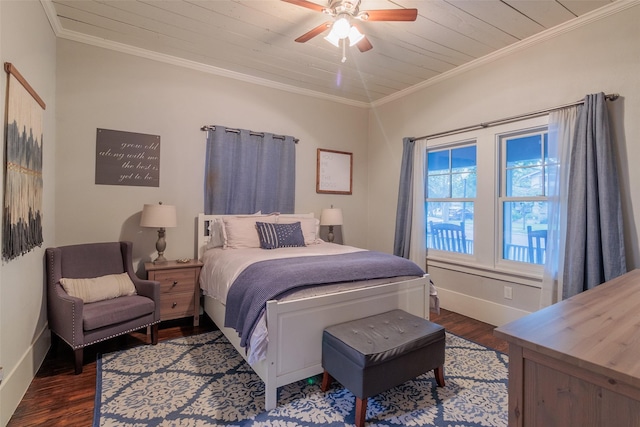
<point x="610" y="97"/>
<point x="213" y="127"/>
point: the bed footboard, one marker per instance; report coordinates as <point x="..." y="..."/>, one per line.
<point x="295" y="327"/>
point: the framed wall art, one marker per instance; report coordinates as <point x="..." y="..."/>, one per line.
<point x="334" y="173"/>
<point x="22" y="209"/>
<point x="127" y="158"/>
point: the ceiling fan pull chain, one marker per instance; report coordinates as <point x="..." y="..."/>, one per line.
<point x="344" y="50"/>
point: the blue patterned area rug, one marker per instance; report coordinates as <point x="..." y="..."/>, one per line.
<point x="202" y="381"/>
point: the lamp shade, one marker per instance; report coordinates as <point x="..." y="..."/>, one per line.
<point x="332" y="216"/>
<point x="158" y="216"/>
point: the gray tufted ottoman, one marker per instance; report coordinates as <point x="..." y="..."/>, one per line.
<point x="371" y="355"/>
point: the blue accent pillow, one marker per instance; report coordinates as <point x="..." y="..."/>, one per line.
<point x="273" y="236"/>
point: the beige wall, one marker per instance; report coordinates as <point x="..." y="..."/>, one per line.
<point x="27" y="41"/>
<point x="94" y="88"/>
<point x="100" y="88"/>
<point x="603" y="55"/>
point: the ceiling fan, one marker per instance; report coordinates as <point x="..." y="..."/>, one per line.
<point x="342" y="29"/>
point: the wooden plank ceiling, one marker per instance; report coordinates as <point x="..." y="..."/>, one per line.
<point x="256" y="37"/>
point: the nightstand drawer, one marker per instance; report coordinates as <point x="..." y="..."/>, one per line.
<point x="176" y="305"/>
<point x="176" y="280"/>
<point x="179" y="291"/>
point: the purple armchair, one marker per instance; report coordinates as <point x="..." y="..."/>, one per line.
<point x="81" y="324"/>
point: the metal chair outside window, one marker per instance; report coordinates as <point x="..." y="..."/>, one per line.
<point x="448" y="237"/>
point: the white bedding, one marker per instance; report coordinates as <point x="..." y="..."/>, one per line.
<point x="222" y="266"/>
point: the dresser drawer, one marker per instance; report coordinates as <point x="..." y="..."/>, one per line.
<point x="176" y="280"/>
<point x="176" y="305"/>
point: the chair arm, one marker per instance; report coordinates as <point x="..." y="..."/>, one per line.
<point x="149" y="289"/>
<point x="65" y="316"/>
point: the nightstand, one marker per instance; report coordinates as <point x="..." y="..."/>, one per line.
<point x="179" y="288"/>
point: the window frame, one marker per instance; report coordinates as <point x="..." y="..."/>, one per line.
<point x="450" y="147"/>
<point x="502" y="198"/>
<point x="488" y="218"/>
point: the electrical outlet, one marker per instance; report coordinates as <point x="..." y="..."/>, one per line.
<point x="508" y="292"/>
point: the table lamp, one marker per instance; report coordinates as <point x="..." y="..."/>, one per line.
<point x="331" y="217"/>
<point x="159" y="216"/>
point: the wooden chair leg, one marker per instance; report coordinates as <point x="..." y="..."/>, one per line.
<point x="154" y="334"/>
<point x="79" y="353"/>
<point x="327" y="379"/>
<point x="361" y="411"/>
<point x="439" y="374"/>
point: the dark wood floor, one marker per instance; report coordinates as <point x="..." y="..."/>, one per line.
<point x="57" y="397"/>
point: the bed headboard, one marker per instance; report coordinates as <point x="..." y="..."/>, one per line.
<point x="203" y="228"/>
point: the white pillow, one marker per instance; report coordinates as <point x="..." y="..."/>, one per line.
<point x="216" y="231"/>
<point x="99" y="288"/>
<point x="216" y="234"/>
<point x="309" y="225"/>
<point x="241" y="232"/>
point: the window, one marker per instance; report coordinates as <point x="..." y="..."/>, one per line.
<point x="489" y="189"/>
<point x="451" y="191"/>
<point x="526" y="170"/>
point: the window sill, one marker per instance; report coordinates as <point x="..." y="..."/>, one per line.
<point x="525" y="275"/>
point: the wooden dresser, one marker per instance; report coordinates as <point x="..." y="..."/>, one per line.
<point x="577" y="362"/>
<point x="179" y="288"/>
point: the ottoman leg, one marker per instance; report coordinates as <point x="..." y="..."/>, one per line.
<point x="439" y="374"/>
<point x="361" y="411"/>
<point x="327" y="379"/>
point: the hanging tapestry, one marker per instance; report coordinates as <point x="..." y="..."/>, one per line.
<point x="22" y="219"/>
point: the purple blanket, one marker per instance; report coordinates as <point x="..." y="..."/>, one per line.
<point x="267" y="280"/>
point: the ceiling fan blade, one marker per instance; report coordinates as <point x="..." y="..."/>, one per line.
<point x="307" y="4"/>
<point x="364" y="44"/>
<point x="391" y="14"/>
<point x="311" y="34"/>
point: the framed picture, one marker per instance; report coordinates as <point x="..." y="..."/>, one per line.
<point x="334" y="172"/>
<point x="127" y="158"/>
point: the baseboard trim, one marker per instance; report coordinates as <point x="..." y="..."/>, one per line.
<point x="479" y="309"/>
<point x="17" y="380"/>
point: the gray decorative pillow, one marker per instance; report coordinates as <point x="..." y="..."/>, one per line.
<point x="273" y="236"/>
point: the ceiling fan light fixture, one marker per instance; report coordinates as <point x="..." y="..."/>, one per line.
<point x="344" y="12"/>
<point x="333" y="39"/>
<point x="354" y="36"/>
<point x="341" y="27"/>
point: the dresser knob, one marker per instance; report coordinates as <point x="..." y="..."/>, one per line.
<point x="174" y="305"/>
<point x="175" y="282"/>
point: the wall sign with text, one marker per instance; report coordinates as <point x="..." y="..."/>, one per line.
<point x="127" y="158"/>
<point x="334" y="172"/>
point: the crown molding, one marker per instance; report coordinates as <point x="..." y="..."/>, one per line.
<point x="173" y="60"/>
<point x="613" y="8"/>
<point x="52" y="16"/>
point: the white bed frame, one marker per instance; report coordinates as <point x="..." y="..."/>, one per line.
<point x="295" y="327"/>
